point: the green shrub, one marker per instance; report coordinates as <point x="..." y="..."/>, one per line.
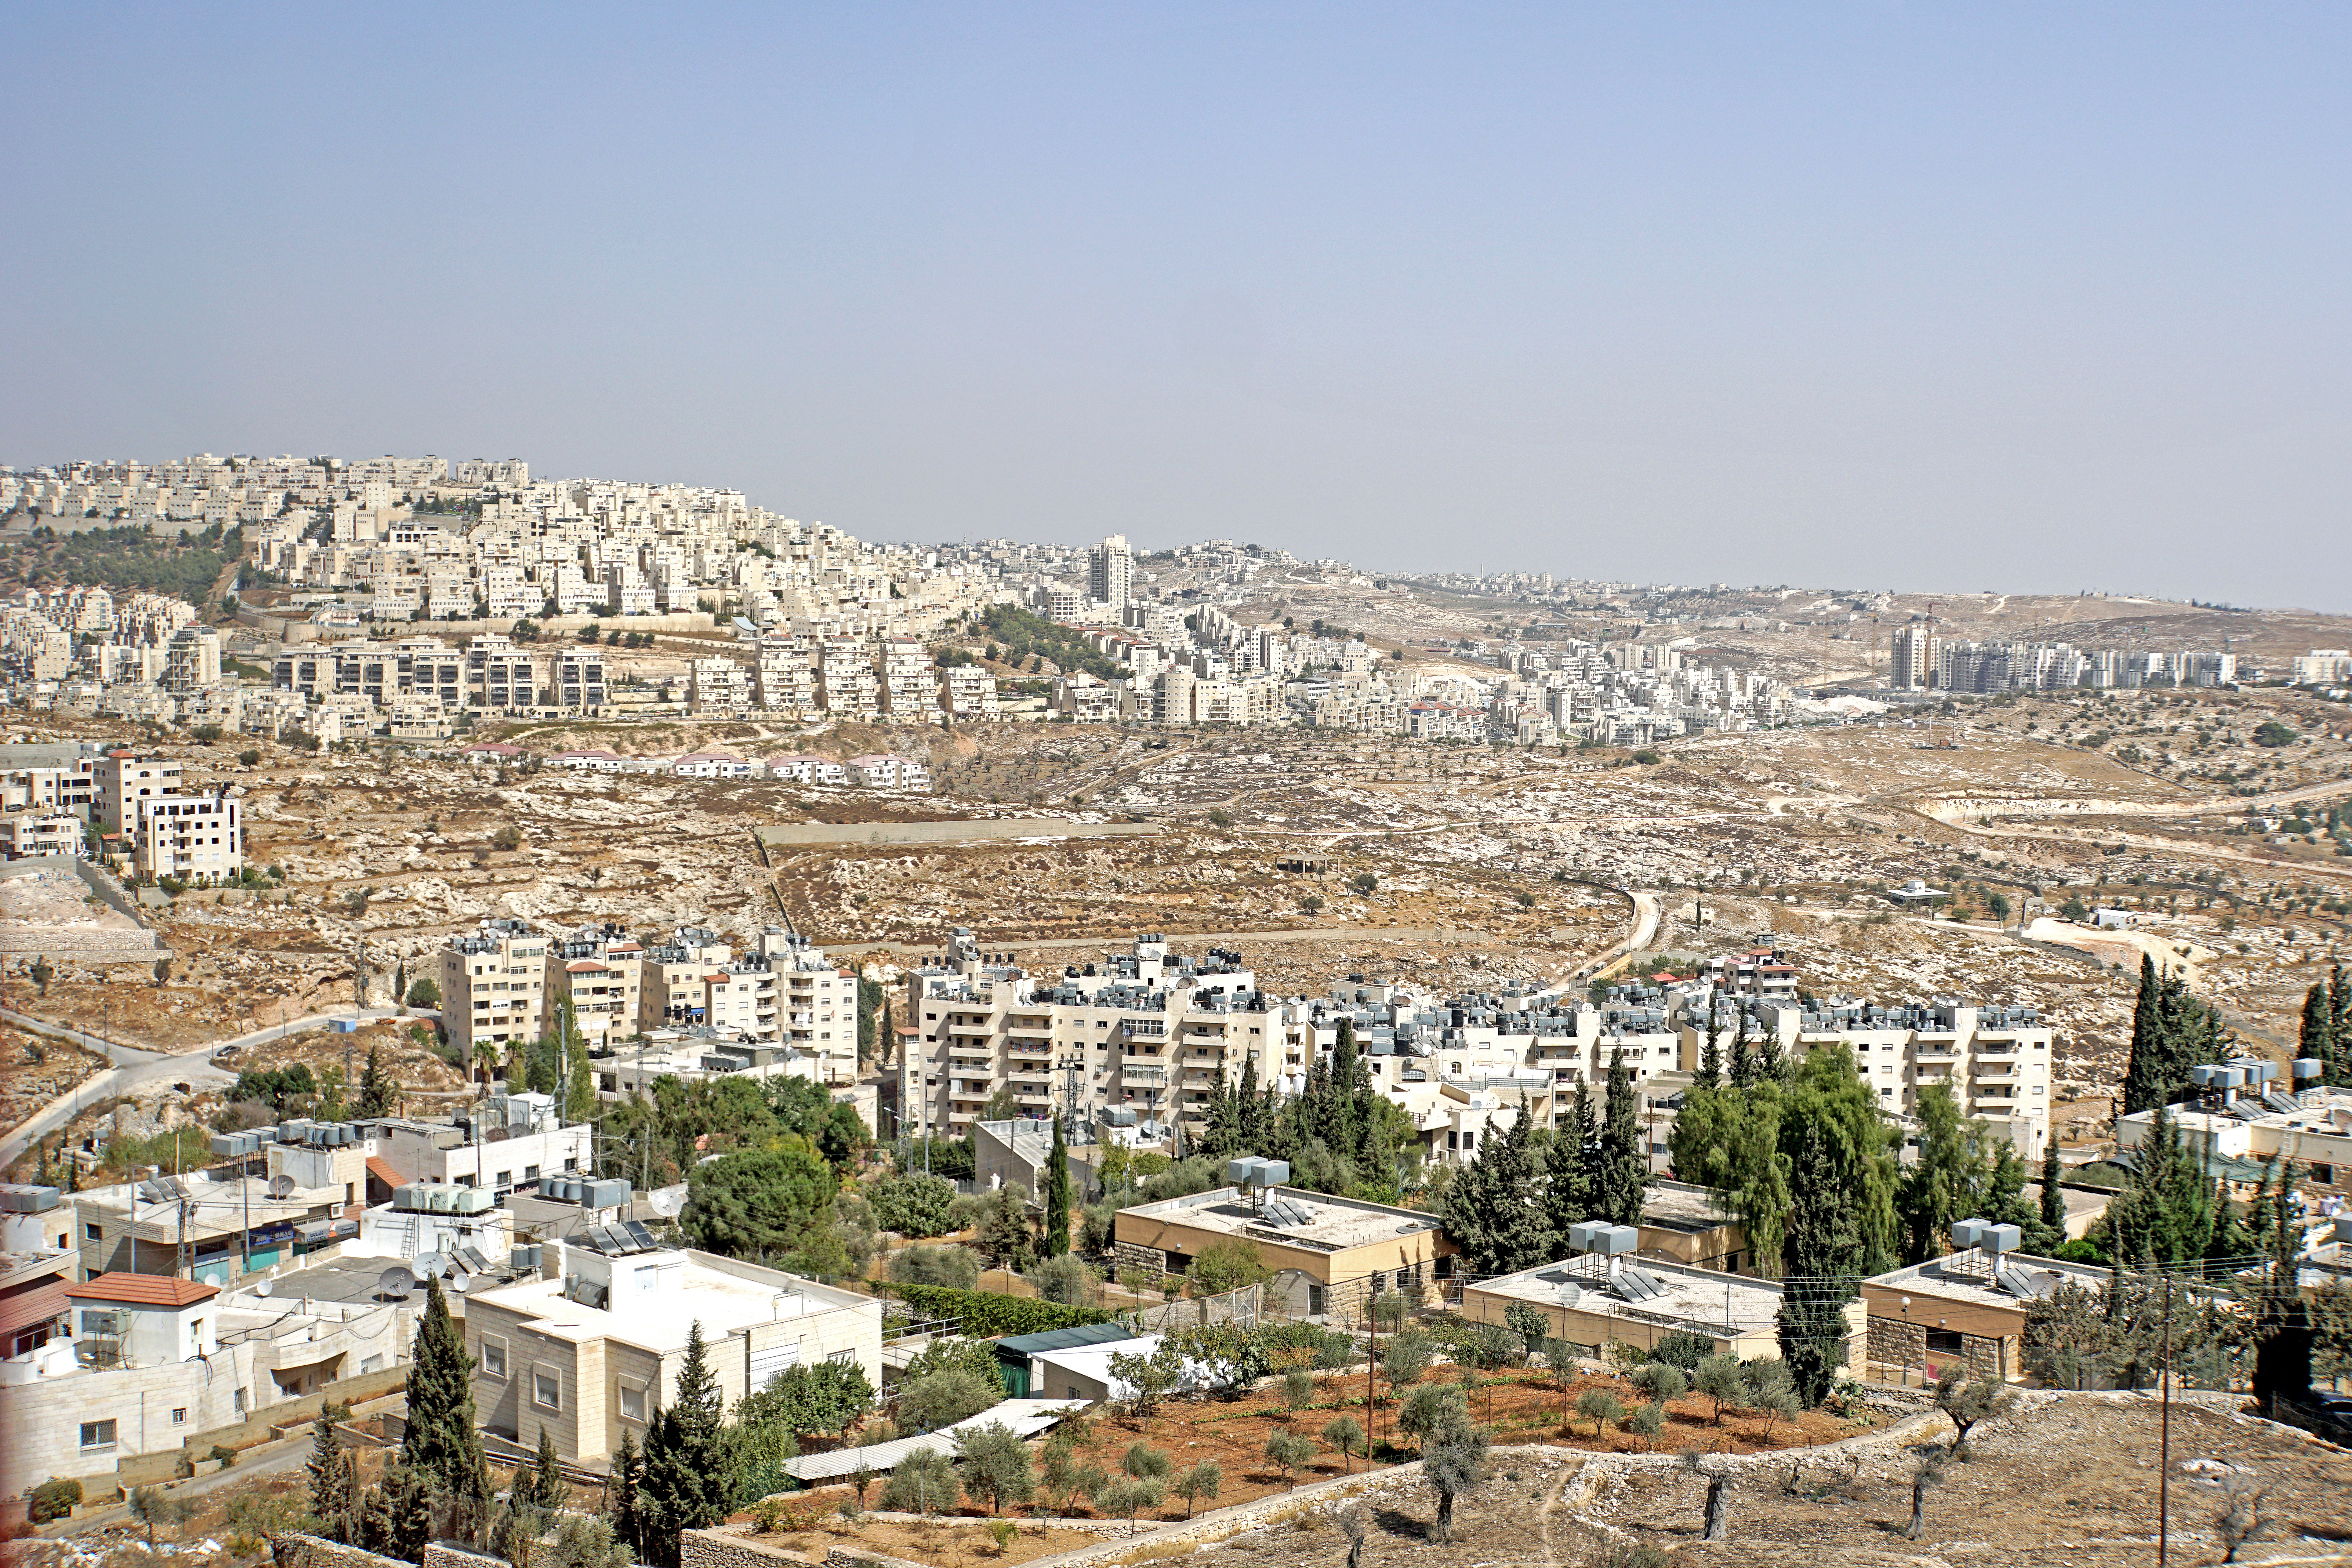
<point x="928" y="1404"/>
<point x="945" y="1267"/>
<point x="985" y="1314"/>
<point x="54" y="1499"/>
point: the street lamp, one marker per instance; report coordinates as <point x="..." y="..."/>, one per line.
<point x="1906" y="1300"/>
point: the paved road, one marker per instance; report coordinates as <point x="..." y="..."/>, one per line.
<point x="135" y="1069"/>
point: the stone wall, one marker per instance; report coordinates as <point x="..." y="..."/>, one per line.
<point x="1893" y="1342"/>
<point x="293" y="1549"/>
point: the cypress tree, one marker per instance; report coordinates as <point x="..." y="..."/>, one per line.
<point x="684" y="1485"/>
<point x="442" y="1443"/>
<point x="2053" y="1201"/>
<point x="1743" y="1067"/>
<point x="1710" y="1059"/>
<point x="2283" y="1329"/>
<point x="1057" y="1197"/>
<point x="1840" y="1219"/>
<point x="1491" y="1210"/>
<point x="376" y="1089"/>
<point x="546" y="1491"/>
<point x="1342" y="1127"/>
<point x="1568" y="1181"/>
<point x="2339" y="1026"/>
<point x="1624" y="1166"/>
<point x="331" y="1492"/>
<point x="621" y="1496"/>
<point x="2317" y="1038"/>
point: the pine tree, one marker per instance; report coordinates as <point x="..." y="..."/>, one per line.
<point x="442" y="1443"/>
<point x="1057" y="1197"/>
<point x="1624" y="1166"/>
<point x="2339" y="1026"/>
<point x="1568" y="1181"/>
<point x="621" y="1496"/>
<point x="1743" y="1065"/>
<point x="331" y="1492"/>
<point x="684" y="1486"/>
<point x="1710" y="1057"/>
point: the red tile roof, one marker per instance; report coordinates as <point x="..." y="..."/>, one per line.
<point x="386" y="1174"/>
<point x="143" y="1290"/>
<point x="41" y="1306"/>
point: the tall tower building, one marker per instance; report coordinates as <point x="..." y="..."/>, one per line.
<point x="1915" y="658"/>
<point x="1111" y="572"/>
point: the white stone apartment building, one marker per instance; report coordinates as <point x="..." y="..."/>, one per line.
<point x="591" y="1349"/>
<point x="1995" y="1060"/>
<point x="123" y="780"/>
<point x="150" y="1361"/>
<point x="494" y="985"/>
<point x="886" y="770"/>
<point x="497" y="1144"/>
<point x="1156" y="1033"/>
<point x="195" y="837"/>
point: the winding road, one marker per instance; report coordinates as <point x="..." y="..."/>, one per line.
<point x="134" y="1069"/>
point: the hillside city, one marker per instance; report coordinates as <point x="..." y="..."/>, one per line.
<point x="593" y="1022"/>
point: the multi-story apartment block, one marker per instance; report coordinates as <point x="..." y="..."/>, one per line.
<point x="494" y="985"/>
<point x="784" y="680"/>
<point x="719" y="686"/>
<point x="1995" y="1060"/>
<point x="503" y="677"/>
<point x="579" y="686"/>
<point x="1915" y="658"/>
<point x="1110" y="572"/>
<point x="848" y="685"/>
<point x="191" y="660"/>
<point x="969" y="693"/>
<point x="123" y="780"/>
<point x="909" y="691"/>
<point x="192" y="836"/>
<point x="597" y="977"/>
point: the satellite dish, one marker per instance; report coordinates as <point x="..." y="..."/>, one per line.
<point x="262" y="1289"/>
<point x="396" y="1283"/>
<point x="431" y="1265"/>
<point x="457" y="1283"/>
<point x="281" y="1185"/>
<point x="1570" y="1293"/>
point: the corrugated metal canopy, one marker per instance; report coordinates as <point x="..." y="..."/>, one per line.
<point x="1027" y="1417"/>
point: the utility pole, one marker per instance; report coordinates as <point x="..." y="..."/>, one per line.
<point x="2164" y="1451"/>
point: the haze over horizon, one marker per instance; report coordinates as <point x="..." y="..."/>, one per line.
<point x="2023" y="299"/>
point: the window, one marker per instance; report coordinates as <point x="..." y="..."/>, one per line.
<point x="632" y="1402"/>
<point x="1946" y="1342"/>
<point x="97" y="1435"/>
<point x="546" y="1389"/>
<point x="240" y="1402"/>
<point x="843" y="1358"/>
<point x="94" y="1231"/>
<point x="494" y="1355"/>
<point x="179" y="1415"/>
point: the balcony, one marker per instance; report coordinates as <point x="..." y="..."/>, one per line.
<point x="1137" y="1075"/>
<point x="1145" y="1028"/>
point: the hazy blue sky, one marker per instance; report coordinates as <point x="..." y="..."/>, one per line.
<point x="1965" y="296"/>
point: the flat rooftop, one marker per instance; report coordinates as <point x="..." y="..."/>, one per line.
<point x="1965" y="1277"/>
<point x="1721" y="1303"/>
<point x="721" y="1301"/>
<point x="1675" y="1205"/>
<point x="1322" y="1222"/>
